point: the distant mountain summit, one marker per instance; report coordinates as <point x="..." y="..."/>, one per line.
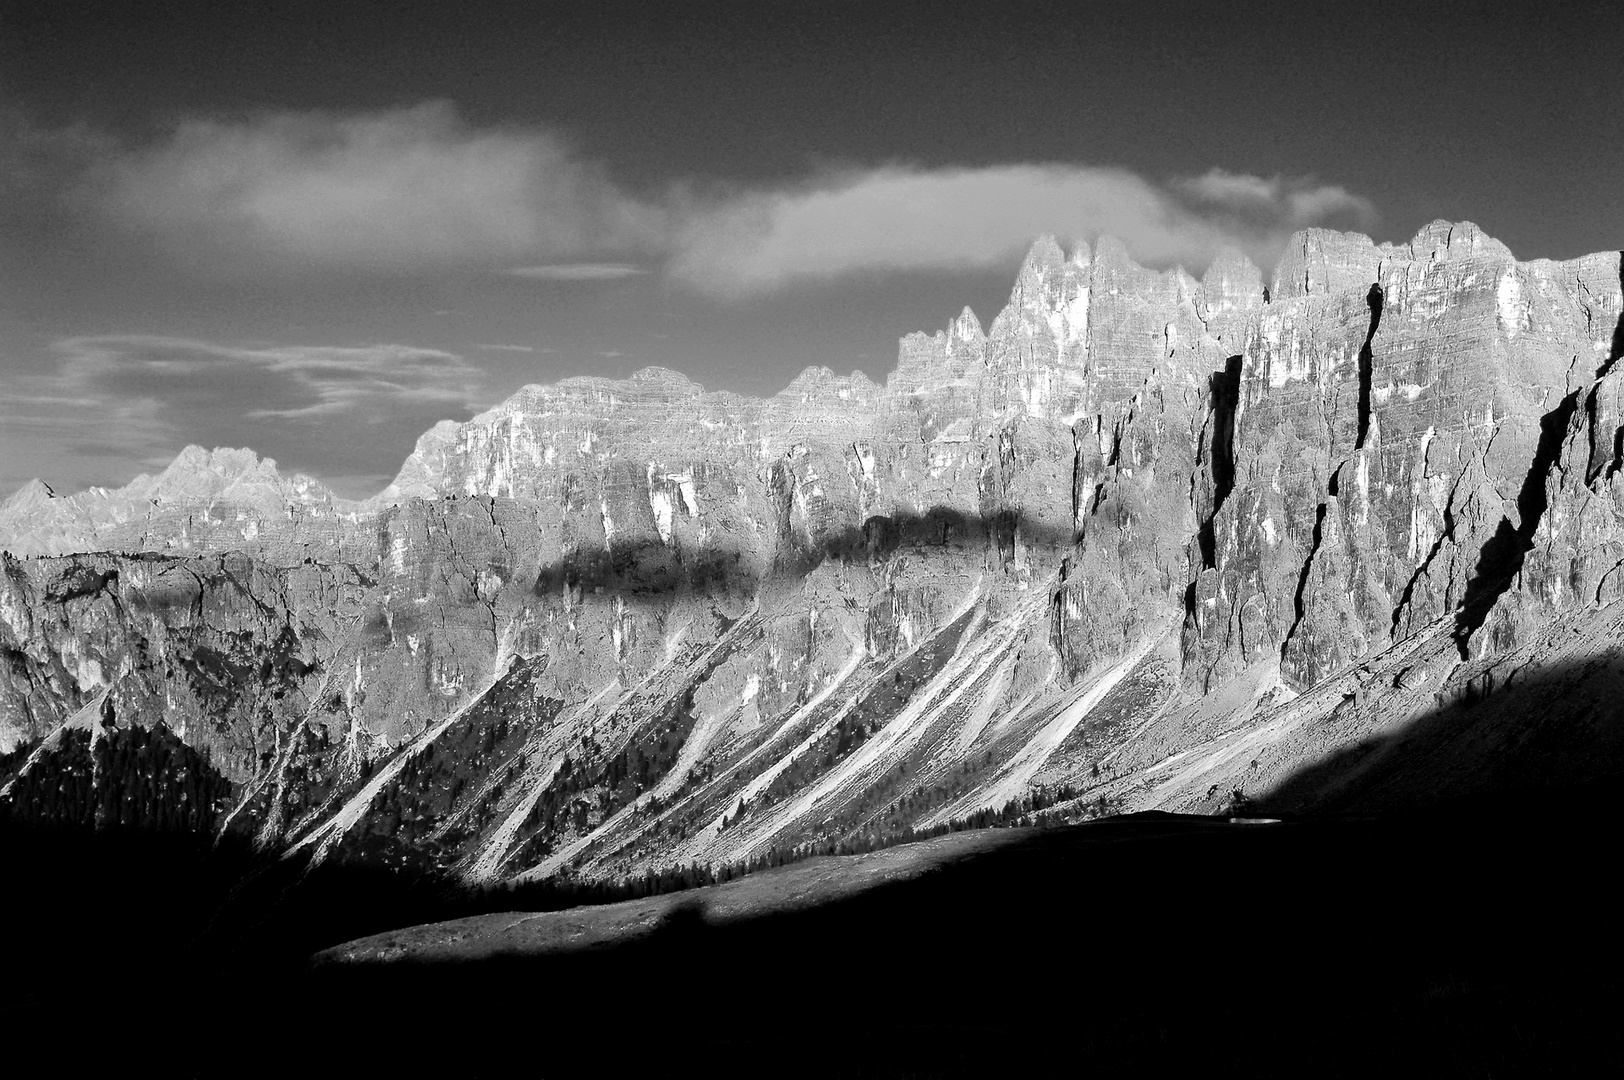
<point x="204" y="500"/>
<point x="1144" y="541"/>
<point x="31" y="497"/>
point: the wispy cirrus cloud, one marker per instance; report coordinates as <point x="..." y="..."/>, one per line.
<point x="578" y="271"/>
<point x="138" y="398"/>
<point x="291" y="382"/>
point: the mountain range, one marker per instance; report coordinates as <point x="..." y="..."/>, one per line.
<point x="1220" y="546"/>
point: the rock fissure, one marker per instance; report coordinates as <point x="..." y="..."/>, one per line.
<point x="1224" y="391"/>
<point x="1445" y="536"/>
<point x="1501" y="559"/>
<point x="1299" y="606"/>
<point x="1374" y="299"/>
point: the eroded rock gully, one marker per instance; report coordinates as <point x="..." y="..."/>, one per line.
<point x="607" y="625"/>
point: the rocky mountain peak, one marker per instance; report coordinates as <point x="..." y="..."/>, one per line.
<point x="1231" y="290"/>
<point x="225" y="498"/>
<point x="1043" y="259"/>
<point x="196" y="471"/>
<point x="966" y="328"/>
<point x="1115" y="272"/>
<point x="1444" y="239"/>
<point x="1322" y="262"/>
<point x="1232" y="283"/>
<point x="820" y="384"/>
<point x="420" y="474"/>
<point x="665" y="379"/>
<point x="1047" y="280"/>
<point x="28" y="497"/>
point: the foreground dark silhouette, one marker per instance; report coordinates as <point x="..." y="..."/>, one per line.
<point x="1457" y="942"/>
<point x="1447" y="943"/>
<point x="1469" y="933"/>
<point x="1511" y="742"/>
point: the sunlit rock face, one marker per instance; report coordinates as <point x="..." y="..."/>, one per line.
<point x="612" y="624"/>
<point x="1385" y="433"/>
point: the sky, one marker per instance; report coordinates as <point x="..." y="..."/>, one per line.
<point x="317" y="229"/>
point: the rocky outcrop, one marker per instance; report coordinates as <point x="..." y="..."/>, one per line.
<point x="709" y="625"/>
<point x="220" y="648"/>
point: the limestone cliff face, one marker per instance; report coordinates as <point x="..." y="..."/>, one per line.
<point x="1384" y="435"/>
<point x="614" y="622"/>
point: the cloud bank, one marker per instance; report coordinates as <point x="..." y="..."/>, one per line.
<point x="946" y="219"/>
<point x="420" y="190"/>
<point x="389" y="190"/>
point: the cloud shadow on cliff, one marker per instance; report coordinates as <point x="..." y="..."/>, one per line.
<point x="1508" y="743"/>
<point x="650" y="567"/>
